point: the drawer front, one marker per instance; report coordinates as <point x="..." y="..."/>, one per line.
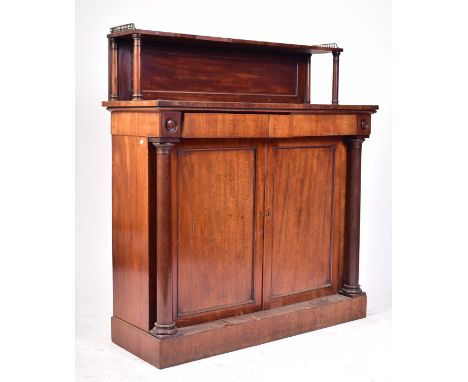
<point x="219" y="125"/>
<point x="303" y="125"/>
<point x="151" y="123"/>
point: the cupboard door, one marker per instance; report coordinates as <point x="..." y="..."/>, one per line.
<point x="304" y="221"/>
<point x="219" y="226"/>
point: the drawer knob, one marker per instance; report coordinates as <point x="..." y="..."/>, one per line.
<point x="171" y="125"/>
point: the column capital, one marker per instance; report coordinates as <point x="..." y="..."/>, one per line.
<point x="354" y="142"/>
<point x="163" y="147"/>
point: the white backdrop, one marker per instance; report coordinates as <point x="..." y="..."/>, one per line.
<point x="363" y="29"/>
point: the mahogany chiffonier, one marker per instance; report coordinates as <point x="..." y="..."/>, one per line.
<point x="235" y="202"/>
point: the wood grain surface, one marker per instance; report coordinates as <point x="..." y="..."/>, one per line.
<point x="181" y="72"/>
<point x="302" y="242"/>
<point x="138" y="123"/>
<point x="224" y="125"/>
<point x="147" y="122"/>
<point x="300" y="125"/>
<point x="130" y="230"/>
<point x="219" y="262"/>
<point x="205" y="340"/>
<point x="254" y="106"/>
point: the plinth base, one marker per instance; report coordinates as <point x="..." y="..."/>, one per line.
<point x="217" y="337"/>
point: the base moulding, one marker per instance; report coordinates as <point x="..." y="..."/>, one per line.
<point x="217" y="337"/>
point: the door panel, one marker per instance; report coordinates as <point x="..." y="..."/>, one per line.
<point x="302" y="235"/>
<point x="219" y="222"/>
<point x="256" y="224"/>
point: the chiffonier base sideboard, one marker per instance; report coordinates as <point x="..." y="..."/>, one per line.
<point x="235" y="202"/>
<point x="217" y="337"/>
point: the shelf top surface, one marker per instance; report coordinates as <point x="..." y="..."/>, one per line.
<point x="221" y="41"/>
<point x="240" y="106"/>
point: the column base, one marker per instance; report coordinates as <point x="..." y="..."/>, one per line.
<point x="163" y="330"/>
<point x="351" y="291"/>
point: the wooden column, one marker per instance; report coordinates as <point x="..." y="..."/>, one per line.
<point x="114" y="96"/>
<point x="136" y="66"/>
<point x="351" y="286"/>
<point x="165" y="323"/>
<point x="336" y="75"/>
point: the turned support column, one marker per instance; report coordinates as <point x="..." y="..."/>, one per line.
<point x="165" y="323"/>
<point x="136" y="67"/>
<point x="114" y="96"/>
<point x="336" y="77"/>
<point x="351" y="286"/>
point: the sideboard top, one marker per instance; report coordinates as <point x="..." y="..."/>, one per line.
<point x="217" y="41"/>
<point x="242" y="106"/>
